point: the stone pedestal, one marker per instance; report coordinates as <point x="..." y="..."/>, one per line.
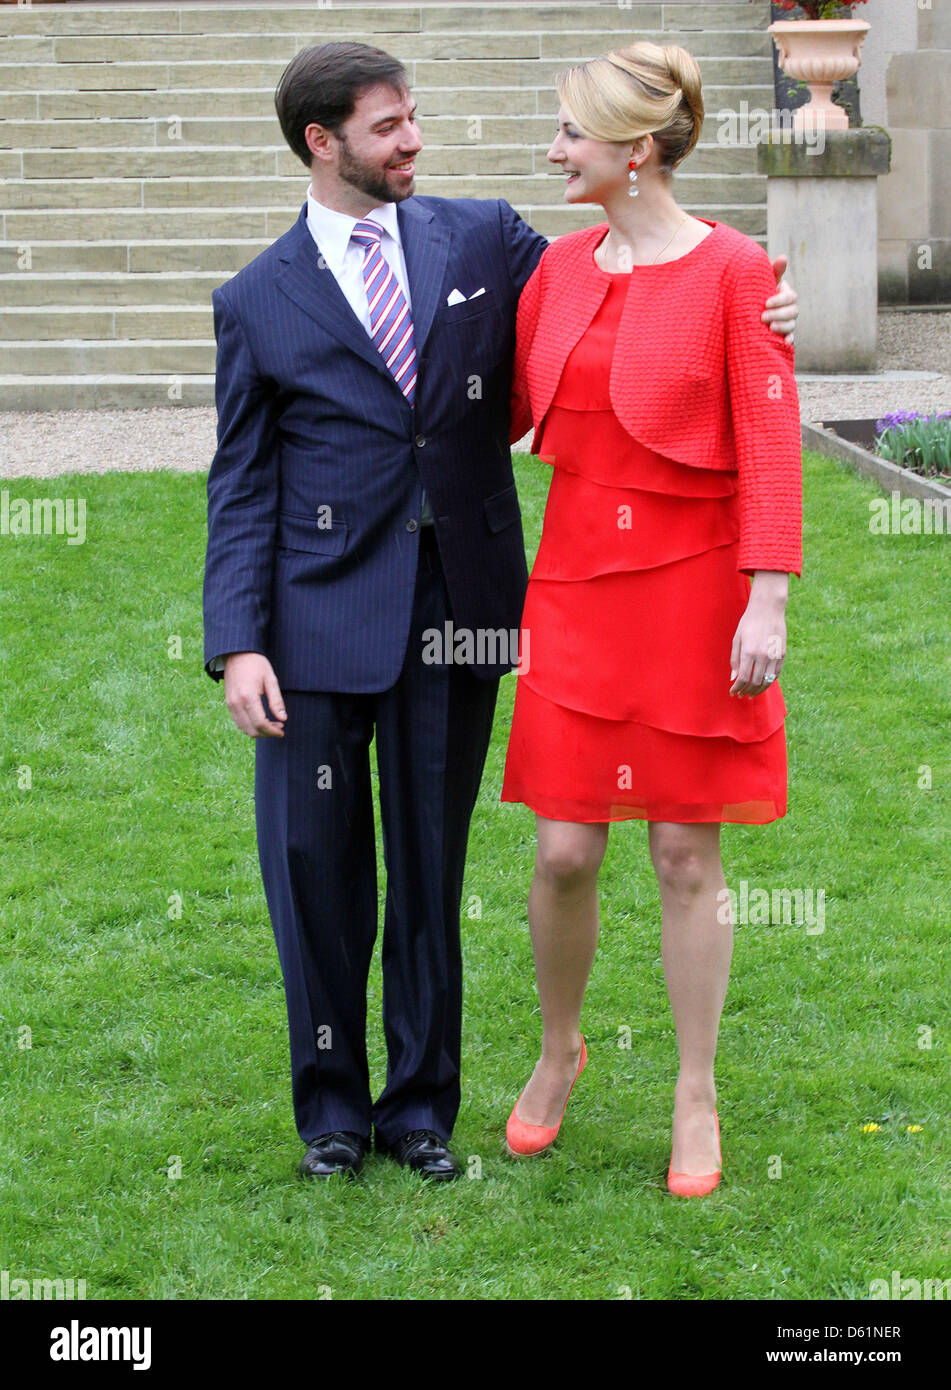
<point x="822" y="207"/>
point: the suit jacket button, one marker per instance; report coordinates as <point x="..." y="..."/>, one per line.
<point x="420" y="440"/>
<point x="412" y="525"/>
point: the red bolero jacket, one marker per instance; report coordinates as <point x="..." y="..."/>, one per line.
<point x="696" y="375"/>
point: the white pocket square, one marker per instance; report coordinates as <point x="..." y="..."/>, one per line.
<point x="457" y="297"/>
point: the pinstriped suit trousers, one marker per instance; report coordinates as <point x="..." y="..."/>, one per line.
<point x="316" y="846"/>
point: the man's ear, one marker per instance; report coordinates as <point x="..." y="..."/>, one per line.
<point x="318" y="142"/>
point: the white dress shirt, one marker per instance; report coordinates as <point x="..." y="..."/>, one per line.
<point x="332" y="232"/>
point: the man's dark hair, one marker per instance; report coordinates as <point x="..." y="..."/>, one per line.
<point x="323" y="84"/>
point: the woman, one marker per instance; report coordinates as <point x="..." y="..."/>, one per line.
<point x="655" y="610"/>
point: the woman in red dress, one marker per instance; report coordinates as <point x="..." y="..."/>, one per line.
<point x="654" y="627"/>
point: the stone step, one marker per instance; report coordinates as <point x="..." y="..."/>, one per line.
<point x="208" y="77"/>
<point x="178" y="224"/>
<point x="331" y="20"/>
<point x="234" y="161"/>
<point x="172" y="108"/>
<point x="574" y="45"/>
<point x="172" y="224"/>
<point x="165" y="357"/>
<point x="60" y="258"/>
<point x="578" y="45"/>
<point x="268" y="48"/>
<point x="56" y="196"/>
<point x="255" y="136"/>
<point x="65" y="290"/>
<point x="468" y="41"/>
<point x="104" y="392"/>
<point x="130" y="323"/>
<point x="255" y="19"/>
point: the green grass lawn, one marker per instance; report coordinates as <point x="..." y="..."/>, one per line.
<point x="158" y="1041"/>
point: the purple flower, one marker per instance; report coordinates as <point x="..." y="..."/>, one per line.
<point x="899" y="418"/>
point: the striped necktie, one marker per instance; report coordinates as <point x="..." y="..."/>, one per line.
<point x="391" y="324"/>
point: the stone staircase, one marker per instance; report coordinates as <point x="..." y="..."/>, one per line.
<point x="142" y="164"/>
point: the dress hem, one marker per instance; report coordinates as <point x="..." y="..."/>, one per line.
<point x="677" y="815"/>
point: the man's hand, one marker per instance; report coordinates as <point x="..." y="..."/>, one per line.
<point x="248" y="676"/>
<point x="782" y="310"/>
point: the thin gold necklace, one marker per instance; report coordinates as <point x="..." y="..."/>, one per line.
<point x="664" y="248"/>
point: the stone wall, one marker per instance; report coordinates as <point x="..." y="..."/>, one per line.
<point x="906" y="88"/>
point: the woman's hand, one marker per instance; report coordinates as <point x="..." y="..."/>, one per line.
<point x="759" y="643"/>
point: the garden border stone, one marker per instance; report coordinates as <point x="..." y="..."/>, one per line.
<point x="889" y="475"/>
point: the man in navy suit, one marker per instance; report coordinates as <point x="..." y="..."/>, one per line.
<point x="361" y="498"/>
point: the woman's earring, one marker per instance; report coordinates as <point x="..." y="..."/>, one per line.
<point x="633" y="190"/>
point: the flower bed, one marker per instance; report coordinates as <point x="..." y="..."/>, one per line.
<point x="919" y="442"/>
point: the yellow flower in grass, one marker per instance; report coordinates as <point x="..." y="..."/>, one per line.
<point x="870" y="1129"/>
<point x="914" y="1129"/>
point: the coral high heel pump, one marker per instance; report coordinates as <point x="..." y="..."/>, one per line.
<point x="523" y="1140"/>
<point x="689" y="1185"/>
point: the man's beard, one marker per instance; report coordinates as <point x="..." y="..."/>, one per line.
<point x="368" y="178"/>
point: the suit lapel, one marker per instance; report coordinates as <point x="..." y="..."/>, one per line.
<point x="425" y="250"/>
<point x="314" y="287"/>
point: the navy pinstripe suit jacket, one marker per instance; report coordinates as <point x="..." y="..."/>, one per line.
<point x="314" y="491"/>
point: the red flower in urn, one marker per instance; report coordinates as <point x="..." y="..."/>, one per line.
<point x="821" y="9"/>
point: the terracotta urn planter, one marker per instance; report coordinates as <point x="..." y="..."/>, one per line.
<point x="820" y="52"/>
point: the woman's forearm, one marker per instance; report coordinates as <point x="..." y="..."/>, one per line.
<point x="770" y="588"/>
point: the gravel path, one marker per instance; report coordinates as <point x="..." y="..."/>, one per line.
<point x="907" y="342"/>
<point x="45" y="444"/>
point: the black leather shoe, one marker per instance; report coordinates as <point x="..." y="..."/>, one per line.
<point x="425" y="1153"/>
<point x="340" y="1152"/>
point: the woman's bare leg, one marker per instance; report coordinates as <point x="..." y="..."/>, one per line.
<point x="696" y="948"/>
<point x="563" y="918"/>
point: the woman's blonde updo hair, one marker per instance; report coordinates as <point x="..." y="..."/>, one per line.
<point x="639" y="90"/>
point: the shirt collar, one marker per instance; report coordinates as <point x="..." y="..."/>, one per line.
<point x="332" y="230"/>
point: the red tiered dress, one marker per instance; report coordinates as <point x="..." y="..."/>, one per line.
<point x="622" y="708"/>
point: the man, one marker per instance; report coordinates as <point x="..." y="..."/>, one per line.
<point x="361" y="496"/>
